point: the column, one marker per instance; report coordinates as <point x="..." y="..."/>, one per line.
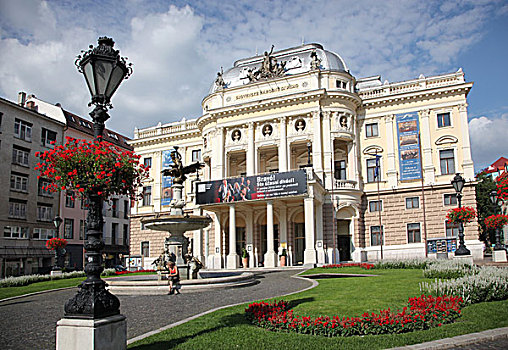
<point x="391" y="172"/>
<point x="251" y="151"/>
<point x="157" y="185"/>
<point x="318" y="207"/>
<point x="207" y="255"/>
<point x="317" y="161"/>
<point x="249" y="237"/>
<point x="270" y="255"/>
<point x="283" y="146"/>
<point x="426" y="145"/>
<point x="218" y="154"/>
<point x="467" y="162"/>
<point x="352" y="162"/>
<point x="232" y="259"/>
<point x="309" y="258"/>
<point x="217" y="257"/>
<point x="327" y="150"/>
<point x="197" y="242"/>
<point x="283" y="228"/>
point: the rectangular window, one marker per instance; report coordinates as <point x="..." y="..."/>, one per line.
<point x="447" y="161"/>
<point x="43" y="188"/>
<point x="375" y="235"/>
<point x="145" y="249"/>
<point x="413" y="233"/>
<point x="20" y="155"/>
<point x="125" y="209"/>
<point x="44" y="213"/>
<point x="375" y="206"/>
<point x="19" y="182"/>
<point x="84" y="203"/>
<point x="16" y="232"/>
<point x="148" y="161"/>
<point x="340" y="170"/>
<point x="68" y="228"/>
<point x="371" y="130"/>
<point x="23" y="130"/>
<point x="17" y="209"/>
<point x="48" y="138"/>
<point x="412" y="203"/>
<point x="147" y="195"/>
<point x="43" y="233"/>
<point x="196" y="155"/>
<point x="371" y="170"/>
<point x="450" y="199"/>
<point x="70" y="200"/>
<point x="443" y="119"/>
<point x="82" y="229"/>
<point x="452" y="230"/>
<point x="114" y="232"/>
<point x="125" y="237"/>
<point x="114" y="208"/>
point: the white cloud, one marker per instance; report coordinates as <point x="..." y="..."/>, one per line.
<point x="488" y="137"/>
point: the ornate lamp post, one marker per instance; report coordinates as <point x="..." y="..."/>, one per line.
<point x="309" y="151"/>
<point x="458" y="183"/>
<point x="495" y="200"/>
<point x="57" y="221"/>
<point x="104" y="70"/>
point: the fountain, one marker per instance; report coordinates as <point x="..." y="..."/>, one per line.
<point x="176" y="223"/>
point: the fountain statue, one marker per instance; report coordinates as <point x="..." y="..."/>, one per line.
<point x="177" y="222"/>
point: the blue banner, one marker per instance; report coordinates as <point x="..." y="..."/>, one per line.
<point x="167" y="181"/>
<point x="408" y="131"/>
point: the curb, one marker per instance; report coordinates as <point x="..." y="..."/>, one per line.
<point x="148" y="334"/>
<point x="35" y="293"/>
<point x="466" y="339"/>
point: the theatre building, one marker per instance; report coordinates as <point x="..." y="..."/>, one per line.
<point x="303" y="158"/>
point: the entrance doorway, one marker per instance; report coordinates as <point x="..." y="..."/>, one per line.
<point x="263" y="240"/>
<point x="344" y="240"/>
<point x="299" y="230"/>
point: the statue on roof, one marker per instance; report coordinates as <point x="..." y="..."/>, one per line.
<point x="315" y="62"/>
<point x="219" y="81"/>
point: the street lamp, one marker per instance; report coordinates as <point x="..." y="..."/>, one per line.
<point x="57" y="221"/>
<point x="495" y="200"/>
<point x="458" y="183"/>
<point x="309" y="145"/>
<point x="104" y="70"/>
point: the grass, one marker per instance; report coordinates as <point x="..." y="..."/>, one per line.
<point x="228" y="328"/>
<point x="8" y="292"/>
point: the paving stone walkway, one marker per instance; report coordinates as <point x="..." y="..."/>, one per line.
<point x="30" y="322"/>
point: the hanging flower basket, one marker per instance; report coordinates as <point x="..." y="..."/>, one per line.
<point x="87" y="167"/>
<point x="464" y="215"/>
<point x="496" y="221"/>
<point x="55" y="243"/>
<point x="502" y="187"/>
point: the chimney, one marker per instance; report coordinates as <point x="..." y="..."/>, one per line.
<point x="21" y="98"/>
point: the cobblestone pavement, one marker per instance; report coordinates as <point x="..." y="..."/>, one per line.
<point x="30" y="322"/>
<point x="485" y="345"/>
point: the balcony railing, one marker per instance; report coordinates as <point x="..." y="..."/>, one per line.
<point x="346" y="184"/>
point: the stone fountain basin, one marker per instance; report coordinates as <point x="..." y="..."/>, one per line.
<point x="177" y="223"/>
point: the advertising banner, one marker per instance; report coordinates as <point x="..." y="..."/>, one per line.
<point x="247" y="188"/>
<point x="408" y="130"/>
<point x="167" y="181"/>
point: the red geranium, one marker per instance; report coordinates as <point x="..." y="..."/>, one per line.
<point x="464" y="215"/>
<point x="55" y="243"/>
<point x="502" y="187"/>
<point x="91" y="166"/>
<point x="496" y="221"/>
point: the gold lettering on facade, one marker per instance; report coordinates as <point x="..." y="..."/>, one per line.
<point x="267" y="91"/>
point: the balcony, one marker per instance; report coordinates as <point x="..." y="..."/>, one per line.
<point x="346" y="184"/>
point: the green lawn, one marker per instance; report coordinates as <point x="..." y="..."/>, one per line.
<point x="228" y="328"/>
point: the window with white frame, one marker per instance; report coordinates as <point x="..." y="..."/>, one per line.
<point x="447" y="161"/>
<point x="452" y="229"/>
<point x="44" y="213"/>
<point x="371" y="171"/>
<point x="22" y="130"/>
<point x="68" y="228"/>
<point x="20" y="155"/>
<point x="17" y="209"/>
<point x="371" y="130"/>
<point x="413" y="233"/>
<point x="375" y="235"/>
<point x="412" y="203"/>
<point x="43" y="187"/>
<point x="16" y="232"/>
<point x="340" y="170"/>
<point x="43" y="233"/>
<point x="375" y="206"/>
<point x="145" y="249"/>
<point x="48" y="138"/>
<point x="147" y="162"/>
<point x="147" y="195"/>
<point x="450" y="199"/>
<point x="443" y="119"/>
<point x="82" y="229"/>
<point x="196" y="155"/>
<point x="19" y="182"/>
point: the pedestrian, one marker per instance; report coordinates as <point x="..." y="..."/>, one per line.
<point x="173" y="278"/>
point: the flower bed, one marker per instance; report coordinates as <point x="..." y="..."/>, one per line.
<point x="362" y="265"/>
<point x="448" y="269"/>
<point x="29" y="279"/>
<point x="424" y="312"/>
<point x="414" y="263"/>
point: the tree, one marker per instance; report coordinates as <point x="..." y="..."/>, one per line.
<point x="484" y="206"/>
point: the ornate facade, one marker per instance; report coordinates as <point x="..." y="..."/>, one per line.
<point x="300" y="109"/>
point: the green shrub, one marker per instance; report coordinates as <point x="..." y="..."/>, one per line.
<point x="415" y="263"/>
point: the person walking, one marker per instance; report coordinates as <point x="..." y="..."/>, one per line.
<point x="173" y="278"/>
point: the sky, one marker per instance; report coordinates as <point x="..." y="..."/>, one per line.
<point x="177" y="47"/>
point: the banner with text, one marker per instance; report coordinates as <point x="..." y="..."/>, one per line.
<point x="246" y="188"/>
<point x="167" y="181"/>
<point x="408" y="129"/>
